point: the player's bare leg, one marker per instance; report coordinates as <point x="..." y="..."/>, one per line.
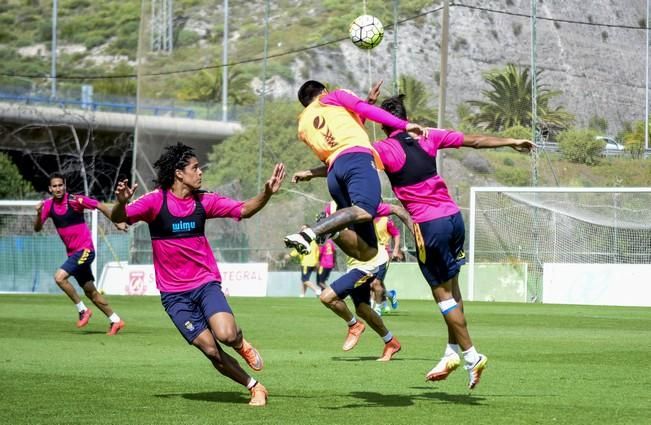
<point x="98" y="299"/>
<point x="225" y="330"/>
<point x="61" y="279"/>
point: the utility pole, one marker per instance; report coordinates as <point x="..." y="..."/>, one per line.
<point x="162" y="27"/>
<point x="443" y="80"/>
<point x="53" y="72"/>
<point x="225" y="66"/>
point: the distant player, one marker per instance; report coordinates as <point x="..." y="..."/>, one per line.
<point x="410" y="164"/>
<point x="356" y="284"/>
<point x="187" y="275"/>
<point x="332" y="126"/>
<point x="67" y="214"/>
<point x="327" y="262"/>
<point x="309" y="265"/>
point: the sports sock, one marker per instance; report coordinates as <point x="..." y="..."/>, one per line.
<point x="251" y="383"/>
<point x="114" y="318"/>
<point x="352" y="321"/>
<point x="388" y="337"/>
<point x="471" y="356"/>
<point x="80" y="306"/>
<point x="451" y="350"/>
<point x="309" y="233"/>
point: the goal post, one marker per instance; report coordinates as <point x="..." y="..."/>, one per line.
<point x="552" y="230"/>
<point x="29" y="259"/>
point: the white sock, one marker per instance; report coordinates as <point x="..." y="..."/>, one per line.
<point x="309" y="232"/>
<point x="352" y="321"/>
<point x="114" y="318"/>
<point x="388" y="337"/>
<point x="451" y="350"/>
<point x="251" y="383"/>
<point x="80" y="306"/>
<point x="471" y="356"/>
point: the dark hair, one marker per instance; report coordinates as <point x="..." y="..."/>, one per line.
<point x="308" y="91"/>
<point x="57" y="175"/>
<point x="175" y="157"/>
<point x="395" y="106"/>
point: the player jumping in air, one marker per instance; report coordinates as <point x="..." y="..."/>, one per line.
<point x="409" y="162"/>
<point x="67" y="214"/>
<point x="332" y="126"/>
<point x="187" y="275"/>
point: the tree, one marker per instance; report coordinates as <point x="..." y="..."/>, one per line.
<point x="509" y="102"/>
<point x="416" y="101"/>
<point x="206" y="86"/>
<point x="12" y="183"/>
<point x="634" y="139"/>
<point x="580" y="146"/>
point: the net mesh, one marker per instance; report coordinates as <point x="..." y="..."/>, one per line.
<point x="535" y="228"/>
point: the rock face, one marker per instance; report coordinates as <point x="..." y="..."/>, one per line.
<point x="593" y="52"/>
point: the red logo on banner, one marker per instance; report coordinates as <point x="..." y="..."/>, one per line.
<point x="136" y="284"/>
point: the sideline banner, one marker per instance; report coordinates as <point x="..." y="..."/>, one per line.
<point x="597" y="284"/>
<point x="238" y="279"/>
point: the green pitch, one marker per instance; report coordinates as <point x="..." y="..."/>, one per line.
<point x="547" y="365"/>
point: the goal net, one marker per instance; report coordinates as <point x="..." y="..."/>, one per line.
<point x="530" y="229"/>
<point x="28" y="260"/>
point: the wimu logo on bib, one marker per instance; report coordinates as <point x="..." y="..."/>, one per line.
<point x="183" y="226"/>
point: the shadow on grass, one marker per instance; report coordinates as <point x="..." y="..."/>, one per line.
<point x="372" y="399"/>
<point x="213" y="396"/>
<point x="374" y="358"/>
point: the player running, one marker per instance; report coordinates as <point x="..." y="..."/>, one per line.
<point x="187" y="275"/>
<point x="67" y="214"/>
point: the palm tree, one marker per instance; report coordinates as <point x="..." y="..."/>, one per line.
<point x="509" y="102"/>
<point x="206" y="86"/>
<point x="416" y="99"/>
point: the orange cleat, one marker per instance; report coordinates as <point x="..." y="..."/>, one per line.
<point x="354" y="332"/>
<point x="84" y="317"/>
<point x="391" y="348"/>
<point x="259" y="395"/>
<point x="115" y="327"/>
<point x="251" y="355"/>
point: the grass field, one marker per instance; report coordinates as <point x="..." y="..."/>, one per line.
<point x="548" y="365"/>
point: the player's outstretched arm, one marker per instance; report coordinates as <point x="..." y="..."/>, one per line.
<point x="123" y="193"/>
<point x="307" y="175"/>
<point x="104" y="209"/>
<point x="403" y="215"/>
<point x="271" y="187"/>
<point x="38" y="224"/>
<point x="482" y="141"/>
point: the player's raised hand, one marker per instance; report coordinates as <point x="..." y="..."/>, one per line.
<point x="523" y="145"/>
<point x="374" y="93"/>
<point x="123" y="192"/>
<point x="123" y="227"/>
<point x="273" y="184"/>
<point x="302" y="176"/>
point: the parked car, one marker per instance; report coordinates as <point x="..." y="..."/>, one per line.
<point x="612" y="147"/>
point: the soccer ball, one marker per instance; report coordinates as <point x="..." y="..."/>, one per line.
<point x="366" y="31"/>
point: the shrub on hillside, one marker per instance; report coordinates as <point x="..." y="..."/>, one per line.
<point x="580" y="146"/>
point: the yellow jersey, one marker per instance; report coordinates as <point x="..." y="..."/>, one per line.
<point x="329" y="130"/>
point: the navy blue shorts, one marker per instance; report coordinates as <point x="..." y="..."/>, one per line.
<point x="306" y="273"/>
<point x="439" y="245"/>
<point x="354" y="180"/>
<point x="357" y="284"/>
<point x="323" y="275"/>
<point x="382" y="272"/>
<point x="78" y="266"/>
<point x="190" y="310"/>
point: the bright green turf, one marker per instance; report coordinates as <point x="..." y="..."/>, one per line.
<point x="548" y="365"/>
